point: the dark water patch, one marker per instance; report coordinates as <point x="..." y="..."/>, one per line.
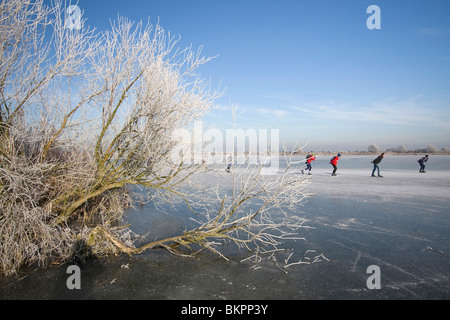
<point x="408" y="240"/>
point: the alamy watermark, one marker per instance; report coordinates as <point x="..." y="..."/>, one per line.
<point x="73" y="17"/>
<point x="252" y="146"/>
<point x="74" y="280"/>
<point x="374" y="280"/>
<point x="374" y="21"/>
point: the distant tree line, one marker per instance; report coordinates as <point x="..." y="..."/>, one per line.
<point x="373" y="148"/>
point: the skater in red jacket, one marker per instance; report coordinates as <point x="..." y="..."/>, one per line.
<point x="309" y="158"/>
<point x="334" y="162"/>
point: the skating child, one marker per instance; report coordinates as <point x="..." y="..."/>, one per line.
<point x="309" y="158"/>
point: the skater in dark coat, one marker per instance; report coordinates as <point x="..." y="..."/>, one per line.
<point x="230" y="160"/>
<point x="422" y="161"/>
<point x="334" y="162"/>
<point x="375" y="165"/>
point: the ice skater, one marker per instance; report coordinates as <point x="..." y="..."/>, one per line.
<point x="309" y="158"/>
<point x="375" y="162"/>
<point x="422" y="161"/>
<point x="230" y="161"/>
<point x="334" y="162"/>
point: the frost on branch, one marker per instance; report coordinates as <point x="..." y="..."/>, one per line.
<point x="85" y="115"/>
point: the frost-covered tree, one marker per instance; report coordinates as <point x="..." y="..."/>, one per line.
<point x="432" y="149"/>
<point x="399" y="149"/>
<point x="85" y="115"/>
<point x="373" y="148"/>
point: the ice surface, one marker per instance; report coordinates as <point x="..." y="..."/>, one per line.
<point x="401" y="178"/>
<point x="400" y="223"/>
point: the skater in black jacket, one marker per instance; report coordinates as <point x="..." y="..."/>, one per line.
<point x="375" y="165"/>
<point x="422" y="161"/>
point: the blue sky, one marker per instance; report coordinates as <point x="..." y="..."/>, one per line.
<point x="312" y="69"/>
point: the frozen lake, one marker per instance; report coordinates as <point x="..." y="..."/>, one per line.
<point x="400" y="223"/>
<point x="401" y="172"/>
